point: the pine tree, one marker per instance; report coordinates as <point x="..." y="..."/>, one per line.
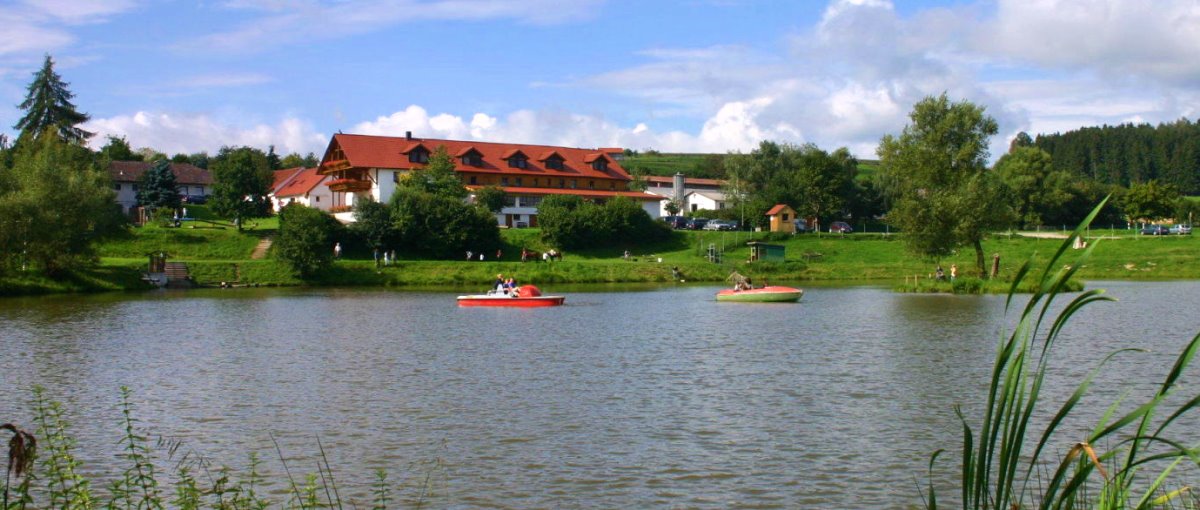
<point x="157" y="187"/>
<point x="48" y="107"/>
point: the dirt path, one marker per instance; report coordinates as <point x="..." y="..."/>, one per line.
<point x="260" y="251"/>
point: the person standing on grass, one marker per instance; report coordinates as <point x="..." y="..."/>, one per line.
<point x="953" y="271"/>
<point x="337" y="250"/>
<point x="376" y="255"/>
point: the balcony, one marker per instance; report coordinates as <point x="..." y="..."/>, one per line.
<point x="349" y="185"/>
<point x="334" y="166"/>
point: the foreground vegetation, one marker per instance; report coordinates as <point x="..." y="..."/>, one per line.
<point x="1128" y="459"/>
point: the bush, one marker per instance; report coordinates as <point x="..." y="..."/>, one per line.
<point x="441" y="226"/>
<point x="306" y="239"/>
<point x="569" y="222"/>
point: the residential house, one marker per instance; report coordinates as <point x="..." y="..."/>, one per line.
<point x="362" y="166"/>
<point x="190" y="180"/>
<point x="301" y="186"/>
<point x="691" y="193"/>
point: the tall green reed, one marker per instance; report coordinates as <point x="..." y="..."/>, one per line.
<point x="999" y="472"/>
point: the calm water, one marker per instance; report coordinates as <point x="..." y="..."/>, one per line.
<point x="656" y="398"/>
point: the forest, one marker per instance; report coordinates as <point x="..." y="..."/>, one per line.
<point x="1129" y="153"/>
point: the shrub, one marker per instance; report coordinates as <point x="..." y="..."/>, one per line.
<point x="569" y="222"/>
<point x="306" y="239"/>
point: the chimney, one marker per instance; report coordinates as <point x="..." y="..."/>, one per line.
<point x="408" y="135"/>
<point x="677" y="183"/>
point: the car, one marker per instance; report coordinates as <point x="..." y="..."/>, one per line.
<point x="1155" y="230"/>
<point x="195" y="199"/>
<point x="696" y="223"/>
<point x="676" y="222"/>
<point x="1181" y="229"/>
<point x="801" y="225"/>
<point x="720" y="225"/>
<point x="840" y="227"/>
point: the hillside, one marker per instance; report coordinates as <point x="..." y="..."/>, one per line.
<point x="710" y="166"/>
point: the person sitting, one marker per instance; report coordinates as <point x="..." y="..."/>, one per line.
<point x="509" y="287"/>
<point x="498" y="285"/>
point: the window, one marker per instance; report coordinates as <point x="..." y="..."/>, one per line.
<point x="530" y="201"/>
<point x="472" y="159"/>
<point x="504" y="181"/>
<point x="562" y="183"/>
<point x="418" y="156"/>
<point x="474" y="179"/>
<point x="786" y="217"/>
<point x="555" y="163"/>
<point x="612" y="185"/>
<point x="117" y="186"/>
<point x="591" y="184"/>
<point x="600" y="165"/>
<point x="572" y="183"/>
<point x="518" y="181"/>
<point x="318" y="199"/>
<point x="518" y="162"/>
<point x="510" y="200"/>
<point x="134" y="187"/>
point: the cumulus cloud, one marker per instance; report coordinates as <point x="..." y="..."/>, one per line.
<point x="174" y="133"/>
<point x="284" y="23"/>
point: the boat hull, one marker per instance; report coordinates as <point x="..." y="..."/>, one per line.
<point x="511" y="302"/>
<point x="764" y="295"/>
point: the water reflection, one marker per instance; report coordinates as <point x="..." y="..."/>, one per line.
<point x="655" y="398"/>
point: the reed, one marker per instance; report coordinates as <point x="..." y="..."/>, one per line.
<point x="46" y="473"/>
<point x="1002" y="455"/>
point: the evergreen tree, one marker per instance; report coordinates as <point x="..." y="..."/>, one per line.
<point x="157" y="187"/>
<point x="48" y="107"/>
<point x="273" y="159"/>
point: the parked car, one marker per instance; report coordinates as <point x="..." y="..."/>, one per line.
<point x="696" y="223"/>
<point x="1181" y="229"/>
<point x="720" y="225"/>
<point x="1155" y="230"/>
<point x="676" y="222"/>
<point x="840" y="227"/>
<point x="195" y="199"/>
<point x="801" y="225"/>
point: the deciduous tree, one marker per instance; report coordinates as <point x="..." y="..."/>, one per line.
<point x="1151" y="201"/>
<point x="490" y="198"/>
<point x="118" y="149"/>
<point x="943" y="195"/>
<point x="306" y="238"/>
<point x="241" y="182"/>
<point x="437" y="177"/>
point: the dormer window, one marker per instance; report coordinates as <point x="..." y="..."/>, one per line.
<point x="554" y="163"/>
<point x="518" y="162"/>
<point x="600" y="165"/>
<point x="472" y="159"/>
<point x="418" y="155"/>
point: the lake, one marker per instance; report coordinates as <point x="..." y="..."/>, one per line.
<point x="647" y="397"/>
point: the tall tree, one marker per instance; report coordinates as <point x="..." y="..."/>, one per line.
<point x="1037" y="190"/>
<point x="48" y="108"/>
<point x="157" y="188"/>
<point x="306" y="239"/>
<point x="943" y="195"/>
<point x="1151" y="201"/>
<point x="273" y="159"/>
<point x="490" y="198"/>
<point x="241" y="181"/>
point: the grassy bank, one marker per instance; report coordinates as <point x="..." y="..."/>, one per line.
<point x="215" y="255"/>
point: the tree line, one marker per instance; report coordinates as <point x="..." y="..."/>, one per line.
<point x="1128" y="154"/>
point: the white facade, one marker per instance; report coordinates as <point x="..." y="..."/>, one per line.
<point x="698" y="200"/>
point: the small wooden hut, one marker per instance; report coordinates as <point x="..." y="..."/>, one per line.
<point x="765" y="252"/>
<point x="782" y="218"/>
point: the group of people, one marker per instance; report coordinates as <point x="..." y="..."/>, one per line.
<point x="941" y="275"/>
<point x="740" y="282"/>
<point x="504" y="286"/>
<point x="386" y="259"/>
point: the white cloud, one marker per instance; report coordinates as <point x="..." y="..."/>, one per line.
<point x="290" y="22"/>
<point x="174" y="133"/>
<point x="1115" y="38"/>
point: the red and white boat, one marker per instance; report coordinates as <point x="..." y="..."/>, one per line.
<point x="525" y="296"/>
<point x="771" y="294"/>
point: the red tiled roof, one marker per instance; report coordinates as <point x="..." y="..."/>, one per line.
<point x="776" y="210"/>
<point x="590" y="193"/>
<point x="512" y="152"/>
<point x="686" y="180"/>
<point x="594" y="156"/>
<point x="185" y="173"/>
<point x="305" y="180"/>
<point x="368" y="151"/>
<point x="283" y="176"/>
<point x="464" y="151"/>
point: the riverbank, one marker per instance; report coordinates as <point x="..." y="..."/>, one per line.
<point x="216" y="256"/>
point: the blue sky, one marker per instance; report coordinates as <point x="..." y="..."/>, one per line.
<point x="679" y="76"/>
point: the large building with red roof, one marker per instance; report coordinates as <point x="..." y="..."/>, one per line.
<point x="190" y="180"/>
<point x="361" y="166"/>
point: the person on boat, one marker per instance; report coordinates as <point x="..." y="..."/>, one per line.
<point x="510" y="287"/>
<point x="498" y="285"/>
<point x="739" y="281"/>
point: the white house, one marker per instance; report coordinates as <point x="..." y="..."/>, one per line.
<point x="679" y="187"/>
<point x="190" y="180"/>
<point x="301" y="186"/>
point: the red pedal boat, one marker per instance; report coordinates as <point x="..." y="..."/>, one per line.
<point x="525" y="296"/>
